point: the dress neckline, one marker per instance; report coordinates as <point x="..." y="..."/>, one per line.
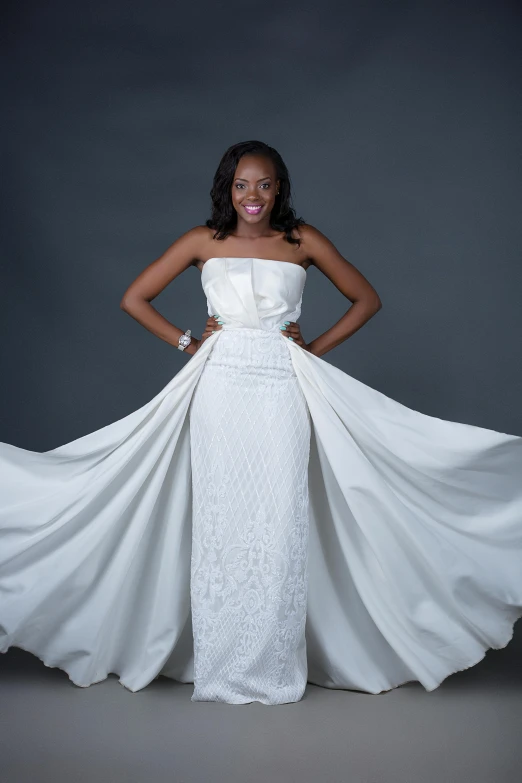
<point x="253" y="258"/>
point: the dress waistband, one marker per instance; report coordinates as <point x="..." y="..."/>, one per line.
<point x="257" y="330"/>
<point x="245" y="350"/>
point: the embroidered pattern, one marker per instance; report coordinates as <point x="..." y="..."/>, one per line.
<point x="250" y="436"/>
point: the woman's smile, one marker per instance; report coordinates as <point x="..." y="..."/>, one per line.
<point x="253" y="209"/>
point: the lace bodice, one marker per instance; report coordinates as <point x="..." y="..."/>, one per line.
<point x="253" y="292"/>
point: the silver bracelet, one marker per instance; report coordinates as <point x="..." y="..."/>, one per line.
<point x="184" y="340"/>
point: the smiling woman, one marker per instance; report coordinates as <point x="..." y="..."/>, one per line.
<point x="249" y="193"/>
<point x="248" y="184"/>
<point x="266" y="520"/>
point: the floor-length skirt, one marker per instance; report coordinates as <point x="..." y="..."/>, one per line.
<point x="250" y="440"/>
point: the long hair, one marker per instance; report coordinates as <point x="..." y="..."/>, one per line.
<point x="224" y="217"/>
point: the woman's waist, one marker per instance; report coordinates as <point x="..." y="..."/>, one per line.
<point x="248" y="348"/>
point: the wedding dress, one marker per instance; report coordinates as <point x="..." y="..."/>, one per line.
<point x="264" y="521"/>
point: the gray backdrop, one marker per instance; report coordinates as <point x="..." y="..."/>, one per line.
<point x="400" y="124"/>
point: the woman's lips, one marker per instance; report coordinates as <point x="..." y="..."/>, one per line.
<point x="253" y="209"/>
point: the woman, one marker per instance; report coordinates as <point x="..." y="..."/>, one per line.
<point x="266" y="519"/>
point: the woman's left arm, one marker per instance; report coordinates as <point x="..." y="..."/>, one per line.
<point x="348" y="280"/>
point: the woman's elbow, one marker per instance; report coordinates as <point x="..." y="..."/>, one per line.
<point x="127" y="303"/>
<point x="374" y="303"/>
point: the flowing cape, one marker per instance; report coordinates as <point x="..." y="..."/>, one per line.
<point x="415" y="559"/>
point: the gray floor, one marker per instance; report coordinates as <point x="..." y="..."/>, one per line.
<point x="469" y="729"/>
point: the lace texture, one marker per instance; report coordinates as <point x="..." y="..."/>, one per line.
<point x="250" y="440"/>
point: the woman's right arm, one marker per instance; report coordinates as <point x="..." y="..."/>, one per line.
<point x="155" y="278"/>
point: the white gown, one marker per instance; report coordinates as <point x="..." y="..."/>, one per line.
<point x="264" y="521"/>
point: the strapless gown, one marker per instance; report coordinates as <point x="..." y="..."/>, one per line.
<point x="264" y="521"/>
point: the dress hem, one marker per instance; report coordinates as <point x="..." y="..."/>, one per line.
<point x="472" y="662"/>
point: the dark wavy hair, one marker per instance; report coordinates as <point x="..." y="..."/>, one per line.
<point x="224" y="217"/>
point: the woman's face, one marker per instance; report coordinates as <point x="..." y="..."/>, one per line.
<point x="254" y="188"/>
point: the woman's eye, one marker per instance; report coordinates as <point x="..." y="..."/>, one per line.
<point x="241" y="185"/>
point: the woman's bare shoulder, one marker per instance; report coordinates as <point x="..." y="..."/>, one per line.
<point x="199" y="234"/>
<point x="309" y="233"/>
<point x="312" y="241"/>
<point x="195" y="242"/>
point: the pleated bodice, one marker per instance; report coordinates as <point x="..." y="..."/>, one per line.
<point x="256" y="293"/>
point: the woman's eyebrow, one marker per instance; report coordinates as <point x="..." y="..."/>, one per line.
<point x="259" y="180"/>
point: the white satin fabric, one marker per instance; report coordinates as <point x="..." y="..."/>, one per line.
<point x="415" y="525"/>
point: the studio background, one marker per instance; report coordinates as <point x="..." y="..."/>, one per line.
<point x="400" y="125"/>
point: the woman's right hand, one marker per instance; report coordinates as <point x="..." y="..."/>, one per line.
<point x="214" y="324"/>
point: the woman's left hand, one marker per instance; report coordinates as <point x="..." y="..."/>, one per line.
<point x="293" y="330"/>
